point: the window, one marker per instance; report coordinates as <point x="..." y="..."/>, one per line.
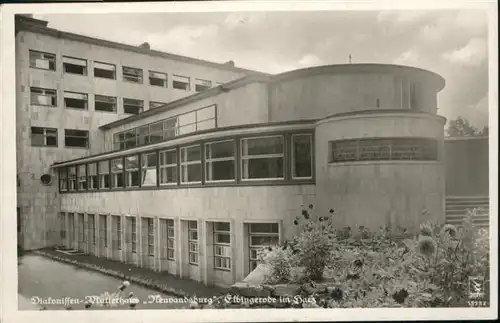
<point x="92" y="227"/>
<point x="119" y="141"/>
<point x="76" y="138"/>
<point x="74" y="65"/>
<point x="193" y="242"/>
<point x="43" y="137"/>
<point x="187" y="123"/>
<point x="261" y="235"/>
<point x="81" y="230"/>
<point x="168" y="167"/>
<point x="72" y="178"/>
<point x="143" y="135"/>
<point x="220" y="160"/>
<point x="132" y="106"/>
<point x="104" y="174"/>
<point x="118" y="232"/>
<point x="45" y="61"/>
<point x="82" y="178"/>
<point x="105" y="103"/>
<point x="133" y="230"/>
<point x="63" y="179"/>
<point x="181" y="83"/>
<point x="131" y="74"/>
<point x="205" y="118"/>
<point x="202" y="85"/>
<point x="154" y="105"/>
<point x="222" y="246"/>
<point x="262" y="158"/>
<point x="117" y="173"/>
<point x="148" y="169"/>
<point x="191" y="164"/>
<point x="45" y="97"/>
<point x="374" y="149"/>
<point x="103" y="229"/>
<point x="130" y="138"/>
<point x="92" y="176"/>
<point x="157" y="79"/>
<point x="156" y="132"/>
<point x="62" y="219"/>
<point x="103" y="70"/>
<point x="170" y="128"/>
<point x="170" y="239"/>
<point x="132" y="171"/>
<point x="302" y="156"/>
<point x="75" y="100"/>
<point x="151" y="237"/>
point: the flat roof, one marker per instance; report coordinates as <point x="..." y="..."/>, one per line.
<point x="40" y="26"/>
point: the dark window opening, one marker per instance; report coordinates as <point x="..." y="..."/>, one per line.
<point x="76" y="138"/>
<point x="105" y="103"/>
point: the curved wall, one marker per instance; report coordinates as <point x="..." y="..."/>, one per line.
<point x="376" y="193"/>
<point x="319" y="92"/>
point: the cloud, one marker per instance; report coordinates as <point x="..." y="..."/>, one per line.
<point x="309" y="60"/>
<point x="472" y="54"/>
<point x="409" y="57"/>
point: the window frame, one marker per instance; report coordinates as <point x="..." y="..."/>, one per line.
<point x="165" y="166"/>
<point x="81" y="178"/>
<point x="133" y="234"/>
<point x="190" y="163"/>
<point x="292" y="156"/>
<point x="139" y="76"/>
<point x="151" y="236"/>
<point x="140" y="105"/>
<point x="63" y="170"/>
<point x="53" y="96"/>
<point x="114" y="175"/>
<point x="197" y="82"/>
<point x="87" y="138"/>
<point x="208" y="160"/>
<point x="45" y="130"/>
<point x="85" y="100"/>
<point x="282" y="155"/>
<point x="165" y="81"/>
<point x="193" y="242"/>
<point x="93" y="178"/>
<point x="187" y="79"/>
<point x="101" y="100"/>
<point x="225" y="246"/>
<point x="86" y="70"/>
<point x="101" y="175"/>
<point x="102" y="63"/>
<point x="256" y="248"/>
<point x="127" y="172"/>
<point x="118" y="231"/>
<point x="53" y="60"/>
<point x="170" y="225"/>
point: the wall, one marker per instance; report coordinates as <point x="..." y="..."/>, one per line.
<point x="37" y="202"/>
<point x="467" y="166"/>
<point x="244" y="105"/>
<point x="279" y="204"/>
<point x="375" y="193"/>
<point x="323" y="91"/>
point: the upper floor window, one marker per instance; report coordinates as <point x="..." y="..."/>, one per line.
<point x="104" y="177"/>
<point x="220" y="160"/>
<point x="156" y="132"/>
<point x="74" y="65"/>
<point x="262" y="158"/>
<point x="72" y="178"/>
<point x="105" y="103"/>
<point x="168" y="167"/>
<point x="46" y="97"/>
<point x="148" y="170"/>
<point x="75" y="100"/>
<point x="131" y="74"/>
<point x="104" y="70"/>
<point x="154" y="105"/>
<point x="191" y="164"/>
<point x="202" y="85"/>
<point x="187" y="123"/>
<point x="158" y="79"/>
<point x="132" y="171"/>
<point x="117" y="173"/>
<point x="132" y="106"/>
<point x="76" y="138"/>
<point x="302" y="156"/>
<point x="92" y="176"/>
<point x="377" y="149"/>
<point x="63" y="179"/>
<point x="82" y="177"/>
<point x="181" y="83"/>
<point x="43" y="136"/>
<point x="205" y="118"/>
<point x="45" y="61"/>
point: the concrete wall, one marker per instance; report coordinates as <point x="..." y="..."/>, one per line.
<point x="321" y="92"/>
<point x="467" y="166"/>
<point x="244" y="105"/>
<point x="280" y="204"/>
<point x="376" y="193"/>
<point x="37" y="202"/>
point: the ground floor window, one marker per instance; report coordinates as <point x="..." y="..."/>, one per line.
<point x="103" y="229"/>
<point x="170" y="239"/>
<point x="62" y="218"/>
<point x="261" y="235"/>
<point x="117" y="232"/>
<point x="151" y="237"/>
<point x="133" y="230"/>
<point x="193" y="242"/>
<point x="222" y="245"/>
<point x="92" y="228"/>
<point x="81" y="229"/>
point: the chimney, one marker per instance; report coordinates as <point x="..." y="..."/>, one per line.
<point x="145" y="45"/>
<point x="229" y="63"/>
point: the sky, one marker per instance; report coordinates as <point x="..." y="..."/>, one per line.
<point x="451" y="43"/>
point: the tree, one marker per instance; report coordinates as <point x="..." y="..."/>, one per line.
<point x="461" y="127"/>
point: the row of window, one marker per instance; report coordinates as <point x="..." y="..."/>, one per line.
<point x="372" y="149"/>
<point x="47" y="137"/>
<point x="185" y="123"/>
<point x="225" y="161"/>
<point x="71" y="65"/>
<point x="76" y="100"/>
<point x="259" y="235"/>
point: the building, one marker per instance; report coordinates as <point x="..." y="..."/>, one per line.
<point x="197" y="185"/>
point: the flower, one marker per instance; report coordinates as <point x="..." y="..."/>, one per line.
<point x="400" y="296"/>
<point x="305" y="214"/>
<point x="331" y="211"/>
<point x="295" y="222"/>
<point x="426" y="246"/>
<point x="426" y="230"/>
<point x="450" y="229"/>
<point x="337" y="293"/>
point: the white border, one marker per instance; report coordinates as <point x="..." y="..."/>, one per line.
<point x="8" y="168"/>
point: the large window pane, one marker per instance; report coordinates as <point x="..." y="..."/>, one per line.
<point x="220" y="161"/>
<point x="149" y="163"/>
<point x="302" y="156"/>
<point x="191" y="164"/>
<point x="132" y="171"/>
<point x="262" y="158"/>
<point x="168" y="167"/>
